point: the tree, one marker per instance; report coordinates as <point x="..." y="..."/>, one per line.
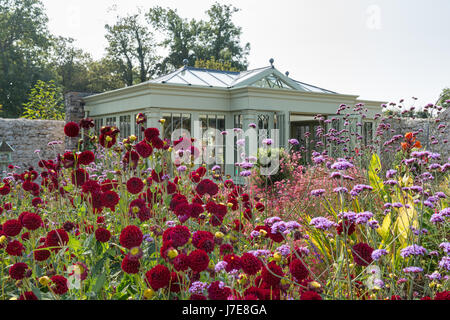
<point x="444" y="97"/>
<point x="24" y="41"/>
<point x="70" y="64"/>
<point x="221" y="37"/>
<point x="131" y="48"/>
<point x="180" y="37"/>
<point x="215" y="65"/>
<point x="200" y="40"/>
<point x="45" y="102"/>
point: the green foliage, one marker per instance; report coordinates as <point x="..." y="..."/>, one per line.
<point x="194" y="40"/>
<point x="45" y="102"/>
<point x="24" y="40"/>
<point x="213" y="64"/>
<point x="131" y="48"/>
<point x="445" y="95"/>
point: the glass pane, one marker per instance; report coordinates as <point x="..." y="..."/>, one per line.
<point x="167" y="130"/>
<point x="187" y="122"/>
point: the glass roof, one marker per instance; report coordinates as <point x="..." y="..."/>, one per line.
<point x="227" y="79"/>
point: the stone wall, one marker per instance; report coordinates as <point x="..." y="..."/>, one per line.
<point x="27" y="136"/>
<point x="432" y="137"/>
<point x="74" y="107"/>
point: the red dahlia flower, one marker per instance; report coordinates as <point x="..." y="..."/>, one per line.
<point x="15" y="248"/>
<point x="28" y="295"/>
<point x="135" y="185"/>
<point x="31" y="221"/>
<point x="131" y="237"/>
<point x="298" y="269"/>
<point x="144" y="149"/>
<point x="130" y="266"/>
<point x="310" y="295"/>
<point x="218" y="291"/>
<point x="250" y="264"/>
<point x="86" y="157"/>
<point x="158" y="277"/>
<point x="179" y="235"/>
<point x="198" y="260"/>
<point x="362" y="254"/>
<point x="102" y="235"/>
<point x="269" y="277"/>
<point x="18" y="270"/>
<point x="41" y="253"/>
<point x="12" y="228"/>
<point x="59" y="285"/>
<point x="57" y="238"/>
<point x="72" y="129"/>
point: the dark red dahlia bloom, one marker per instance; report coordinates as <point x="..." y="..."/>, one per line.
<point x="151" y="133"/>
<point x="139" y="207"/>
<point x="72" y="129"/>
<point x="349" y="226"/>
<point x="233" y="262"/>
<point x="171" y="187"/>
<point x="218" y="291"/>
<point x="110" y="199"/>
<point x="310" y="295"/>
<point x="198" y="260"/>
<point x="108" y="136"/>
<point x="395" y="297"/>
<point x="144" y="149"/>
<point x="362" y="254"/>
<point x="131" y="237"/>
<point x="31" y="221"/>
<point x="175" y="282"/>
<point x="225" y="249"/>
<point x="207" y="186"/>
<point x="135" y="185"/>
<point x="157" y="143"/>
<point x="250" y="264"/>
<point x="56" y="238"/>
<point x="87" y="123"/>
<point x="12" y="227"/>
<point x="444" y="295"/>
<point x="18" y="270"/>
<point x="179" y="235"/>
<point x="130" y="266"/>
<point x="260" y="207"/>
<point x="15" y="248"/>
<point x="5" y="189"/>
<point x="59" y="285"/>
<point x="200" y="240"/>
<point x="268" y="277"/>
<point x="102" y="235"/>
<point x="41" y="253"/>
<point x="37" y="202"/>
<point x="298" y="269"/>
<point x="158" y="277"/>
<point x="181" y="262"/>
<point x="79" y="177"/>
<point x="86" y="157"/>
<point x="176" y="200"/>
<point x="131" y="158"/>
<point x="28" y="295"/>
<point x="91" y="186"/>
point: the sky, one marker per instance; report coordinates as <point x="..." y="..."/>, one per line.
<point x="383" y="50"/>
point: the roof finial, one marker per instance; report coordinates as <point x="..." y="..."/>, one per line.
<point x="185" y="62"/>
<point x="287" y="73"/>
<point x="271" y="61"/>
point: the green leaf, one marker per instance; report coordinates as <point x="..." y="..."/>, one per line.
<point x="74" y="244"/>
<point x="99" y="283"/>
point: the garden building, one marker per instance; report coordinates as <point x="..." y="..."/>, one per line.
<point x="200" y="99"/>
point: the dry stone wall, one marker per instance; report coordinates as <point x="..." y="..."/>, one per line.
<point x="27" y="136"/>
<point x="434" y="134"/>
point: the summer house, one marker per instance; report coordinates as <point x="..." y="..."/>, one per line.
<point x="201" y="99"/>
